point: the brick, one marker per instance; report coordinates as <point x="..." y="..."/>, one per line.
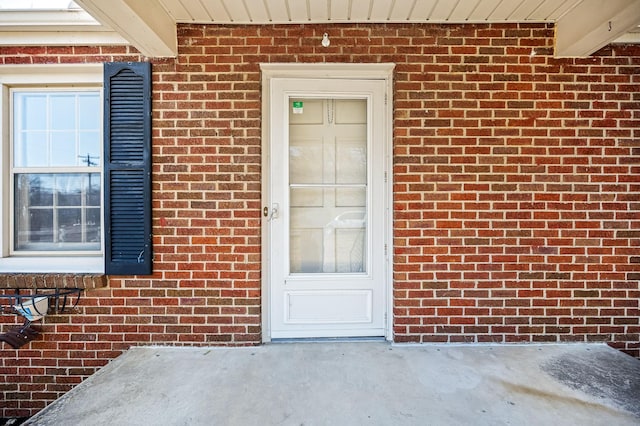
<point x="515" y="194"/>
<point x="628" y="234"/>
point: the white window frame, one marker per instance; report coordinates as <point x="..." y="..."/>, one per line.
<point x="69" y="76"/>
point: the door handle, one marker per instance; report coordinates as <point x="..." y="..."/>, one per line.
<point x="271" y="214"/>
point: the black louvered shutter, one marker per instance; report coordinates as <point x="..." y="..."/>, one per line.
<point x="127" y="153"/>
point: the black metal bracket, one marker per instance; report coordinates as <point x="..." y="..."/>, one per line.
<point x="34" y="304"/>
<point x="21" y="300"/>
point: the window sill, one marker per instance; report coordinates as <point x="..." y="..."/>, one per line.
<point x="70" y="272"/>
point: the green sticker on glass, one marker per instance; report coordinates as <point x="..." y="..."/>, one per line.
<point x="298" y="107"/>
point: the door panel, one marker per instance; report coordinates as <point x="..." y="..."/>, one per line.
<point x="329" y="307"/>
<point x="327" y="255"/>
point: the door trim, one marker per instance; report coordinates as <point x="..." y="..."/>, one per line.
<point x="383" y="72"/>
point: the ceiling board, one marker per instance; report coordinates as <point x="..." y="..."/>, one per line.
<point x="484" y="9"/>
<point x="177" y="10"/>
<point x="463" y="10"/>
<point x="339" y="10"/>
<point x="563" y="9"/>
<point x="278" y="10"/>
<point x="443" y="9"/>
<point x="298" y="10"/>
<point x="381" y="9"/>
<point x="196" y="10"/>
<point x="504" y="10"/>
<point x="236" y="10"/>
<point x="401" y="10"/>
<point x="524" y="11"/>
<point x="422" y="10"/>
<point x="257" y="10"/>
<point x="319" y="10"/>
<point x="544" y="10"/>
<point x="217" y="11"/>
<point x="360" y="10"/>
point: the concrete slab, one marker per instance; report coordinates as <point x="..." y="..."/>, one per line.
<point x="357" y="383"/>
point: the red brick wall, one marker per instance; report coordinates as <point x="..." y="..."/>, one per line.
<point x="517" y="206"/>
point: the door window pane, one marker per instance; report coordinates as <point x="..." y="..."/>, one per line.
<point x="328" y="186"/>
<point x="307" y="161"/>
<point x="351" y="161"/>
<point x="328" y="239"/>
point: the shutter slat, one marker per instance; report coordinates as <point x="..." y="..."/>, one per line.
<point x="127" y="168"/>
<point x="127" y="108"/>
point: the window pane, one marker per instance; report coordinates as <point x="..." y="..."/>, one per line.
<point x="41" y="225"/>
<point x="70" y="225"/>
<point x="94" y="218"/>
<point x="89" y="112"/>
<point x="89" y="151"/>
<point x="37" y="189"/>
<point x="57" y="129"/>
<point x="63" y="111"/>
<point x="53" y="212"/>
<point x="69" y="190"/>
<point x="52" y="130"/>
<point x="63" y="149"/>
<point x="93" y="190"/>
<point x="31" y="149"/>
<point x="31" y="111"/>
<point x="33" y="226"/>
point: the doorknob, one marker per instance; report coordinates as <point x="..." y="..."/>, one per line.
<point x="271" y="214"/>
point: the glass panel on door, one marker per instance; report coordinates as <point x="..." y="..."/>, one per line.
<point x="328" y="186"/>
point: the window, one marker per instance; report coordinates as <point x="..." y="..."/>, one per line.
<point x="56" y="171"/>
<point x="75" y="175"/>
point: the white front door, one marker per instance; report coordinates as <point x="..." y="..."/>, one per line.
<point x="326" y="216"/>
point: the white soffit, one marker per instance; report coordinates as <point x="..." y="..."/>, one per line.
<point x="324" y="11"/>
<point x="143" y="23"/>
<point x="593" y="24"/>
<point x="150" y="25"/>
<point x="632" y="36"/>
<point x="54" y="27"/>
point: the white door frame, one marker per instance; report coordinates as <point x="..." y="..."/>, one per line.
<point x="383" y="72"/>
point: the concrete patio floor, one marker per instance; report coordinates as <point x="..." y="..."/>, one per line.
<point x="358" y="383"/>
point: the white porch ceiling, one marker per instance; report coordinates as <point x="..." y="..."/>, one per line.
<point x="582" y="26"/>
<point x="320" y="11"/>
